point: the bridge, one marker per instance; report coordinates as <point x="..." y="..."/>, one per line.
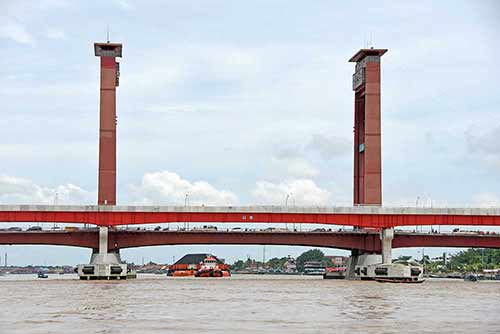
<point x="367" y="241"/>
<point x="367" y="211"/>
<point x="360" y="216"/>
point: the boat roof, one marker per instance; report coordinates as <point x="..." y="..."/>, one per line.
<point x="196" y="258"/>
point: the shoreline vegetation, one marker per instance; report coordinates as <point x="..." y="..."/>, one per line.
<point x="473" y="260"/>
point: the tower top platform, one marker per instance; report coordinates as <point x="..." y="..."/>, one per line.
<point x="367" y="52"/>
<point x="108" y="49"/>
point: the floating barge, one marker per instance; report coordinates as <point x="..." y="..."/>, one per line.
<point x="199" y="265"/>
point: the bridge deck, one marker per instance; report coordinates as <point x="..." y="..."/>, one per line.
<point x="362" y="209"/>
<point x="362" y="216"/>
<point x="342" y="240"/>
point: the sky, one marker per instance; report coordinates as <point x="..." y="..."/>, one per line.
<point x="239" y="103"/>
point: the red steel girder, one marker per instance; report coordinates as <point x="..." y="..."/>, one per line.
<point x="372" y="220"/>
<point x="366" y="241"/>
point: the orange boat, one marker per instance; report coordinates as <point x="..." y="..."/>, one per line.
<point x="183" y="273"/>
<point x="211" y="268"/>
<point x="199" y="265"/>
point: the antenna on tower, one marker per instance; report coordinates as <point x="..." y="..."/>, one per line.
<point x="107" y="33"/>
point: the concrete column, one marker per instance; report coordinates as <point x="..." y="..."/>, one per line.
<point x="104" y="256"/>
<point x="386" y="236"/>
<point x="103" y="240"/>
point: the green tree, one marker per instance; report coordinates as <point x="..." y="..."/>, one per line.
<point x="475" y="259"/>
<point x="403" y="258"/>
<point x="276" y="263"/>
<point x="238" y="265"/>
<point x="311" y="255"/>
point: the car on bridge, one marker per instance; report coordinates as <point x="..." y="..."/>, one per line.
<point x="34" y="228"/>
<point x="275" y="229"/>
<point x="14" y="229"/>
<point x="205" y="228"/>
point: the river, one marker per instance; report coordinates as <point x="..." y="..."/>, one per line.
<point x="245" y="304"/>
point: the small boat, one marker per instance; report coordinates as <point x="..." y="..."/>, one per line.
<point x="210" y="268"/>
<point x="314" y="268"/>
<point x="42" y="275"/>
<point x="335" y="273"/>
<point x="408" y="272"/>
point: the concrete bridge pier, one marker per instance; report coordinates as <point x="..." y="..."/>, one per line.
<point x="359" y="262"/>
<point x="104" y="264"/>
<point x="386" y="236"/>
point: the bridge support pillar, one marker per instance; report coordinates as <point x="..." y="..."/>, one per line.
<point x="104" y="264"/>
<point x="386" y="236"/>
<point x="359" y="264"/>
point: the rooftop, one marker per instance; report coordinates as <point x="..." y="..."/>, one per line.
<point x="101" y="49"/>
<point x="367" y="52"/>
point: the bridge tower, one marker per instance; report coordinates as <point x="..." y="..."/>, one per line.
<point x="368" y="149"/>
<point x="367" y="127"/>
<point x="103" y="263"/>
<point x="110" y="73"/>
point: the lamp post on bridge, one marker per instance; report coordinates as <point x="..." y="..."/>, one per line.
<point x="416" y="206"/>
<point x="186" y="204"/>
<point x="286" y="205"/>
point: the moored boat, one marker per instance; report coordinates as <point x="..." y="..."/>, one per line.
<point x="314" y="268"/>
<point x="396" y="272"/>
<point x="199" y="265"/>
<point x="335" y="273"/>
<point x="210" y="268"/>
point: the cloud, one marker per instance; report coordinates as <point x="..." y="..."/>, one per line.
<point x="167" y="188"/>
<point x="299" y="191"/>
<point x="299" y="160"/>
<point x="9" y="29"/>
<point x="301" y="168"/>
<point x="55" y="34"/>
<point x="485" y="142"/>
<point x="124" y="5"/>
<point x="486" y="200"/>
<point x="329" y="146"/>
<point x="291" y="160"/>
<point x="14" y="190"/>
<point x="484" y="145"/>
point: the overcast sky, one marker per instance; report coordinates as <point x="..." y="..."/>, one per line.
<point x="238" y="102"/>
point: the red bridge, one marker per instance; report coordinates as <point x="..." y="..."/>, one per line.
<point x="361" y="240"/>
<point x="367" y="212"/>
<point x="361" y="216"/>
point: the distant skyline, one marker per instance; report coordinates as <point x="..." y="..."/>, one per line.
<point x="238" y="103"/>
